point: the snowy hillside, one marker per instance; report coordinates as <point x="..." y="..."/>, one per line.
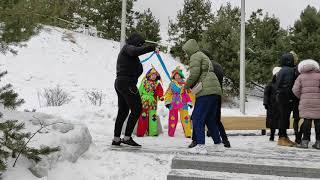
<point x="77" y="63"/>
<point x="51" y="59"/>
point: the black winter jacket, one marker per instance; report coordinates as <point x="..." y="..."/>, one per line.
<point x="285" y="78"/>
<point x="269" y="101"/>
<point x="128" y="63"/>
<point x="218" y="70"/>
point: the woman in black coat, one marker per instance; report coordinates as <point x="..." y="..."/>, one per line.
<point x="271" y="105"/>
<point x="283" y="86"/>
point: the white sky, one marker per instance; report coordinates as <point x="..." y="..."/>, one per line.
<point x="286" y="10"/>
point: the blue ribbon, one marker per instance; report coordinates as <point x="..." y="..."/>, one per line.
<point x="161" y="62"/>
<point x="163" y="66"/>
<point x="148" y="58"/>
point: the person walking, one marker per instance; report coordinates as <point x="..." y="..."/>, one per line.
<point x="207" y="89"/>
<point x="307" y="89"/>
<point x="129" y="69"/>
<point x="284" y="96"/>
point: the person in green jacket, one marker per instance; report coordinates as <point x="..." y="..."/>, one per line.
<point x="204" y="113"/>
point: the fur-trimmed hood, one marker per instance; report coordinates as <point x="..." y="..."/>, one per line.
<point x="308" y="66"/>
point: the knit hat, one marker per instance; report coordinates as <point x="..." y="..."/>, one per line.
<point x="177" y="71"/>
<point x="276" y="70"/>
<point x="153" y="71"/>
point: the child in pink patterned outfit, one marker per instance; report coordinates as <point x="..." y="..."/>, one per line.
<point x="178" y="100"/>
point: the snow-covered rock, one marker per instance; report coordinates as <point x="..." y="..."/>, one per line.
<point x="73" y="139"/>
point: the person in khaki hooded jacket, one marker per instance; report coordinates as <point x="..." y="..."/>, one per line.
<point x="204" y="113"/>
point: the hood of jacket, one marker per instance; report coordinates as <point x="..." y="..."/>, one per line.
<point x="135" y="40"/>
<point x="191" y="47"/>
<point x="287" y="60"/>
<point x="308" y="65"/>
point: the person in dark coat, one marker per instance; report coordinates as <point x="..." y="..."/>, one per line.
<point x="129" y="70"/>
<point x="218" y="70"/>
<point x="270" y="104"/>
<point x="296" y="117"/>
<point x="284" y="96"/>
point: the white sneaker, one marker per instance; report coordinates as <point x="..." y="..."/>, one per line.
<point x="199" y="149"/>
<point x="219" y="147"/>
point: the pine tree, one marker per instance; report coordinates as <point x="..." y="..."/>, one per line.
<point x="105" y="16"/>
<point x="20" y="19"/>
<point x="266" y="41"/>
<point x="13" y="139"/>
<point x="222" y="40"/>
<point x="8" y="97"/>
<point x="148" y="26"/>
<point x="306" y="34"/>
<point x="190" y="23"/>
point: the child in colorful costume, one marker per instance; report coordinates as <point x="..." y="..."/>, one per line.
<point x="151" y="91"/>
<point x="178" y="100"/>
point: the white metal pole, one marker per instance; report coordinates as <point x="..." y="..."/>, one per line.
<point x="123" y="23"/>
<point x="242" y="60"/>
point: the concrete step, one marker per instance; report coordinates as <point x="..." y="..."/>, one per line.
<point x="187" y="174"/>
<point x="303" y="169"/>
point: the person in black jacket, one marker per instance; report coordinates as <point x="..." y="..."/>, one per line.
<point x="271" y="105"/>
<point x="218" y="70"/>
<point x="295" y="111"/>
<point x="129" y="69"/>
<point x="284" y="96"/>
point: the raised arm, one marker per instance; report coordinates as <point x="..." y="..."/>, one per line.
<point x="138" y="51"/>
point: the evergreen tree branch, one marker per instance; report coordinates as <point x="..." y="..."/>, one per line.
<point x="45" y="150"/>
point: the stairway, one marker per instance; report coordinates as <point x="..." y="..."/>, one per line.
<point x="217" y="167"/>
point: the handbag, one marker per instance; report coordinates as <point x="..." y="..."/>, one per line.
<point x="198" y="87"/>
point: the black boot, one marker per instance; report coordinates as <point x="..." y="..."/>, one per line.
<point x="193" y="144"/>
<point x="226" y="143"/>
<point x="298" y="137"/>
<point x="116" y="143"/>
<point x="272" y="133"/>
<point x="316" y="145"/>
<point x="208" y="134"/>
<point x="271" y="138"/>
<point x="131" y="142"/>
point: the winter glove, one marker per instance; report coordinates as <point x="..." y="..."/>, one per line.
<point x="190" y="105"/>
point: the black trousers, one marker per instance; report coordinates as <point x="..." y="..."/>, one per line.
<point x="128" y="99"/>
<point x="307" y="125"/>
<point x="285" y="108"/>
<point x="221" y="128"/>
<point x="298" y="131"/>
<point x="272" y="132"/>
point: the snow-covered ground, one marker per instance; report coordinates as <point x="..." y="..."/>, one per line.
<point x="51" y="59"/>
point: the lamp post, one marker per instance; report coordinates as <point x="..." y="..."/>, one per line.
<point x="242" y="60"/>
<point x="123" y="23"/>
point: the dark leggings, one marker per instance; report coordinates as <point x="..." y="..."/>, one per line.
<point x="128" y="99"/>
<point x="272" y="133"/>
<point x="307" y="125"/>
